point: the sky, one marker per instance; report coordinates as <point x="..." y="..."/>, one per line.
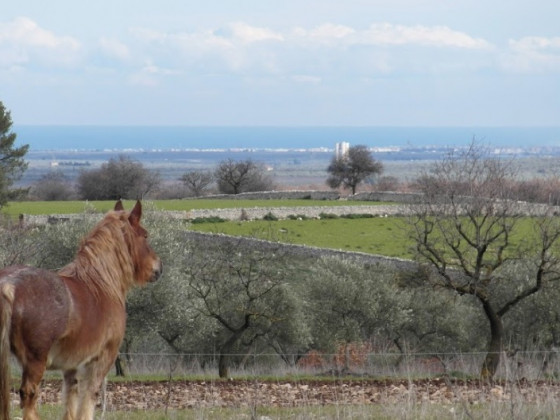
<point x="281" y="62"/>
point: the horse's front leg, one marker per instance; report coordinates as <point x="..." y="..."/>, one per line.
<point x="70" y="395"/>
<point x="29" y="391"/>
<point x="93" y="377"/>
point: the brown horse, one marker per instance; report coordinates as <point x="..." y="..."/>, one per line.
<point x="73" y="320"/>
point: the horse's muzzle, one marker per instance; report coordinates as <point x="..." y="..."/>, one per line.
<point x="157" y="271"/>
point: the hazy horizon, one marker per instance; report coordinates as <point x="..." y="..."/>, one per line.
<point x="95" y="137"/>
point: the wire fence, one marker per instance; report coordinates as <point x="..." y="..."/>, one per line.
<point x="353" y="361"/>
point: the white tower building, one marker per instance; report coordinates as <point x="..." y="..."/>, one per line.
<point x="341" y="149"/>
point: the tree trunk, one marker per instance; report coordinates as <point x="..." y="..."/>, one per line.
<point x="119" y="367"/>
<point x="223" y="369"/>
<point x="225" y="352"/>
<point x="495" y="346"/>
<point x="346" y="358"/>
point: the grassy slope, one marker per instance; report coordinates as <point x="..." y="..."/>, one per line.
<point x="385" y="236"/>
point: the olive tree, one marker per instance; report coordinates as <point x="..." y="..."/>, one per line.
<point x="347" y="302"/>
<point x="219" y="299"/>
<point x="352" y="168"/>
<point x="244" y="291"/>
<point x="351" y="302"/>
<point x="467" y="229"/>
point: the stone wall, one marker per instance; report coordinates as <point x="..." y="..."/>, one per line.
<point x="275" y="195"/>
<point x="386" y="196"/>
<point x="253" y="213"/>
<point x="310" y="212"/>
<point x="299" y="250"/>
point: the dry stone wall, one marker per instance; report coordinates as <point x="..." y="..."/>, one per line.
<point x="310" y="212"/>
<point x="275" y="195"/>
<point x="252" y="213"/>
<point x="299" y="250"/>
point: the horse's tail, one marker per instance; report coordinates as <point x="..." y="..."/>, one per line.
<point x="6" y="304"/>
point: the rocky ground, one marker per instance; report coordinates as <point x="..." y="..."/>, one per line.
<point x="199" y="394"/>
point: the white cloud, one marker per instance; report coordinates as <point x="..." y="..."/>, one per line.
<point x="535" y="43"/>
<point x="243" y="48"/>
<point x="250" y="50"/>
<point x="114" y="49"/>
<point x="532" y="54"/>
<point x="329" y="32"/>
<point x="25" y="31"/>
<point x="387" y="34"/>
<point x="248" y="34"/>
<point x="236" y="47"/>
<point x="23" y="41"/>
<point x="433" y="36"/>
<point x="150" y="75"/>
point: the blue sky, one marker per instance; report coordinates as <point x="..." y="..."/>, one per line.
<point x="281" y="62"/>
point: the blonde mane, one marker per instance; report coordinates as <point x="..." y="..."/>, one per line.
<point x="105" y="261"/>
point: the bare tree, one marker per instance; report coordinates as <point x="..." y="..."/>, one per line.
<point x="197" y="182"/>
<point x="468" y="229"/>
<point x="116" y="179"/>
<point x="353" y="168"/>
<point x="234" y="177"/>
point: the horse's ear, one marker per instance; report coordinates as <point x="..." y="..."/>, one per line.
<point x="136" y="213"/>
<point x="119" y="206"/>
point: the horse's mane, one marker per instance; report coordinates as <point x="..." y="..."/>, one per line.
<point x="105" y="260"/>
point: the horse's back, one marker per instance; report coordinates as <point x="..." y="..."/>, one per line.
<point x="40" y="309"/>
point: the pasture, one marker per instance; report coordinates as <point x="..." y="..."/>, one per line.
<point x="377" y="235"/>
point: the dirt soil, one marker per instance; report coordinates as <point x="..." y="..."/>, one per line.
<point x="136" y="395"/>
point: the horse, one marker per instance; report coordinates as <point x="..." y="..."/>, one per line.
<point x="73" y="320"/>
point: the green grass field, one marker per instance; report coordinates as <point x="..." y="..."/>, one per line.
<point x="384" y="236"/>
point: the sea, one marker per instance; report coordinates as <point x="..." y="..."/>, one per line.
<point x="54" y="137"/>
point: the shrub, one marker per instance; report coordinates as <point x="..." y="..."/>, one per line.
<point x="211" y="219"/>
<point x="298" y="217"/>
<point x="328" y="216"/>
<point x="270" y="217"/>
<point x="357" y="216"/>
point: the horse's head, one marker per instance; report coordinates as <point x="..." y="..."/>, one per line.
<point x="147" y="265"/>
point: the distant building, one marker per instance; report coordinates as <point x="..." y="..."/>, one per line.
<point x="341" y="149"/>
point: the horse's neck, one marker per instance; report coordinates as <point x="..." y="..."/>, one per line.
<point x="100" y="283"/>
